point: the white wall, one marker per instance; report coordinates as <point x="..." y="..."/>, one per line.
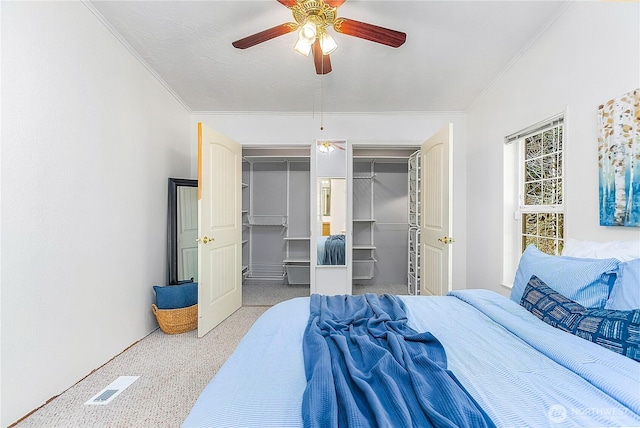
<point x="403" y="129"/>
<point x="89" y="139"/>
<point x="589" y="55"/>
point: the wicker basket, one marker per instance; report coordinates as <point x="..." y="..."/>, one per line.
<point x="174" y="321"/>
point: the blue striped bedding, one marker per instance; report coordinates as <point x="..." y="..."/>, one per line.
<point x="521" y="371"/>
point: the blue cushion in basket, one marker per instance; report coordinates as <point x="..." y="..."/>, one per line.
<point x="176" y="296"/>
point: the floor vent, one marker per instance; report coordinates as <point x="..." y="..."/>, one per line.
<point x="112" y="390"/>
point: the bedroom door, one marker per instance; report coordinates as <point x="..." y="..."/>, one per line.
<point x="435" y="227"/>
<point x="219" y="228"/>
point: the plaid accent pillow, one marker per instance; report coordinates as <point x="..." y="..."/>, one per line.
<point x="618" y="331"/>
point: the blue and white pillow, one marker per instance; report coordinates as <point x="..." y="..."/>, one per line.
<point x="585" y="281"/>
<point x="625" y="294"/>
<point x="618" y="331"/>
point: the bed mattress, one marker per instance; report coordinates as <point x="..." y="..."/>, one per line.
<point x="521" y="371"/>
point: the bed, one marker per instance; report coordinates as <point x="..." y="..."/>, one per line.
<point x="521" y="364"/>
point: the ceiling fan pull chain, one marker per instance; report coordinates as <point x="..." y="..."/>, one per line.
<point x="313" y="97"/>
<point x="322" y="99"/>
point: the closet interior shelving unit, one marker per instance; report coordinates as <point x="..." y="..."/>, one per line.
<point x="414" y="176"/>
<point x="276" y="216"/>
<point x="380" y="215"/>
<point x="245" y="218"/>
<point x="276" y="229"/>
<point x="363" y="219"/>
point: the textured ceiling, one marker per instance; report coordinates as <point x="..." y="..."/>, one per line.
<point x="454" y="50"/>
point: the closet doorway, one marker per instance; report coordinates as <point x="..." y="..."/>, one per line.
<point x="402" y="228"/>
<point x="276" y="224"/>
<point x="276" y="220"/>
<point x="380" y="218"/>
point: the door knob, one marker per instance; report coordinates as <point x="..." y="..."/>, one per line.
<point x="446" y="240"/>
<point x="205" y="240"/>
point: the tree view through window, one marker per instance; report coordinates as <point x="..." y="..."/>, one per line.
<point x="542" y="190"/>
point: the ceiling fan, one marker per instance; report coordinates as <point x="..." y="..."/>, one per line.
<point x="312" y="19"/>
<point x="329" y="146"/>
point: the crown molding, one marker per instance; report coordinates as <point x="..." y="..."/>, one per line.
<point x="311" y="114"/>
<point x="133" y="52"/>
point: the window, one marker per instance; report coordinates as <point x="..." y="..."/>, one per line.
<point x="533" y="192"/>
<point x="541" y="200"/>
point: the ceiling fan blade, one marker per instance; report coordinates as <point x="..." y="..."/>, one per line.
<point x="334" y="3"/>
<point x="322" y="62"/>
<point x="265" y="35"/>
<point x="288" y="3"/>
<point x="370" y="32"/>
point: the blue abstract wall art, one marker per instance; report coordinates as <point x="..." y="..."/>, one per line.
<point x="619" y="160"/>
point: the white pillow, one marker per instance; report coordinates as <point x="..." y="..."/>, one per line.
<point x="621" y="250"/>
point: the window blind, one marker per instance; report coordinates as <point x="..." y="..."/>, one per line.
<point x="533" y="129"/>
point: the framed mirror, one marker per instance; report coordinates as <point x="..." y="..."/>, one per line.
<point x="331" y="173"/>
<point x="183" y="230"/>
<point x="333" y="227"/>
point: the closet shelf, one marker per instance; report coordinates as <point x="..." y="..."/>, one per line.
<point x="364" y="247"/>
<point x="266" y="271"/>
<point x="296" y="238"/>
<point x="364" y="220"/>
<point x="296" y="260"/>
<point x="267" y="220"/>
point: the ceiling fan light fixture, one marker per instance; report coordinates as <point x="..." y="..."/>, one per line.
<point x="308" y="32"/>
<point x="325" y="147"/>
<point x="303" y="47"/>
<point x="306" y="37"/>
<point x="327" y="43"/>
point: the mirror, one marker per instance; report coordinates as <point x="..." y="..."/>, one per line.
<point x="332" y="193"/>
<point x="331" y="167"/>
<point x="183" y="230"/>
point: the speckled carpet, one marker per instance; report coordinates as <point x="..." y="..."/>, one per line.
<point x="173" y="369"/>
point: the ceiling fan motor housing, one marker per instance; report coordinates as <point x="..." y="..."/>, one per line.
<point x="318" y="12"/>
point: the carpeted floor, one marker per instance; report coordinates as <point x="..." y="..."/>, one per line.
<point x="173" y="369"/>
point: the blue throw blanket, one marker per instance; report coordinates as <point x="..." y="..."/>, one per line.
<point x="334" y="250"/>
<point x="366" y="368"/>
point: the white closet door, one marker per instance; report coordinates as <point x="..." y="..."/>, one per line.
<point x="435" y="227"/>
<point x="220" y="228"/>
